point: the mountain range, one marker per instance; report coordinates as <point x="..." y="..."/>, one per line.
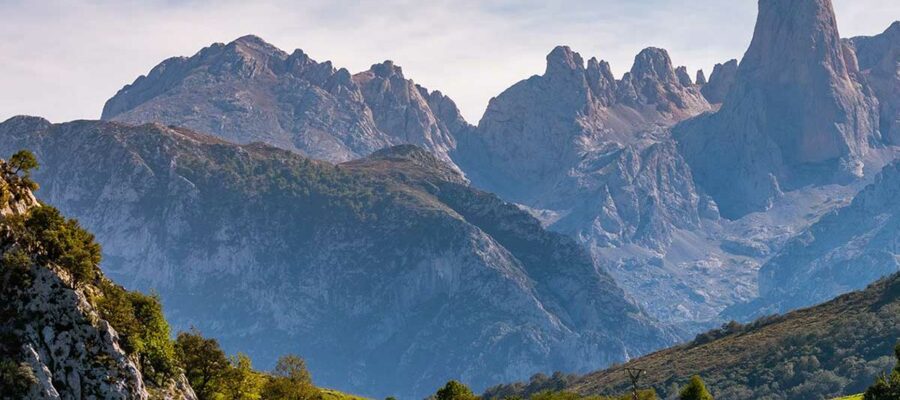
<point x="280" y="203"/>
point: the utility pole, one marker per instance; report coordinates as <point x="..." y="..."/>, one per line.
<point x="635" y="375"/>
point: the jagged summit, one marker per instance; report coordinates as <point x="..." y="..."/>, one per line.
<point x="653" y="63"/>
<point x="563" y="59"/>
<point x="794" y="114"/>
<point x="250" y="91"/>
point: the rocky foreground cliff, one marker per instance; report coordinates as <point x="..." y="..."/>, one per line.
<point x="372" y="269"/>
<point x="57" y="343"/>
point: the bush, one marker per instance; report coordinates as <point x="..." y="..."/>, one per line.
<point x="15" y="379"/>
<point x="695" y="390"/>
<point x="63" y="242"/>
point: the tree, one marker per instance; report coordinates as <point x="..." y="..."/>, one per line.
<point x="240" y="381"/>
<point x="23" y="161"/>
<point x="886" y="387"/>
<point x="454" y="390"/>
<point x="203" y="360"/>
<point x="290" y="381"/>
<point x="695" y="390"/>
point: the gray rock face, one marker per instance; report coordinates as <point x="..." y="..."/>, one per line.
<point x="537" y="130"/>
<point x="879" y="62"/>
<point x="845" y="250"/>
<point x="796" y="113"/>
<point x="371" y="269"/>
<point x="248" y="91"/>
<point x="720" y="82"/>
<point x="403" y="110"/>
<point x="590" y="155"/>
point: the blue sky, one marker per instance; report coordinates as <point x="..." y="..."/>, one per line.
<point x="63" y="59"/>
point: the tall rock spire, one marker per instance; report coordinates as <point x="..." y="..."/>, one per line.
<point x="795" y="115"/>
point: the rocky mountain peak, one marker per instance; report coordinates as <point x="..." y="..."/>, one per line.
<point x="793" y="116"/>
<point x="563" y="60"/>
<point x="387" y="69"/>
<point x="653" y="63"/>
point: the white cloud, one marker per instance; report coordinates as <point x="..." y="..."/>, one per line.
<point x="63" y="59"/>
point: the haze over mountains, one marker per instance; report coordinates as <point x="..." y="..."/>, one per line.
<point x="629" y="213"/>
<point x="372" y="269"/>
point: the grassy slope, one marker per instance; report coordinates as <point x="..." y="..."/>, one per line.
<point x="823" y="351"/>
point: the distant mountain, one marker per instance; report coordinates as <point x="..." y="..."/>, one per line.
<point x="248" y="91"/>
<point x="798" y="113"/>
<point x="667" y="181"/>
<point x="372" y="269"/>
<point x="59" y="340"/>
<point x="823" y="352"/>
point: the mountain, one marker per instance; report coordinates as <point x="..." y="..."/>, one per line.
<point x="797" y="113"/>
<point x="844" y="250"/>
<point x="59" y="338"/>
<point x="372" y="269"/>
<point x="570" y="110"/>
<point x="248" y="91"/>
<point x="879" y="61"/>
<point x="591" y="157"/>
<point x="823" y="352"/>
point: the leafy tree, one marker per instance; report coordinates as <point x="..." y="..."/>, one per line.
<point x="886" y="387"/>
<point x="290" y="381"/>
<point x="18" y="172"/>
<point x="240" y="381"/>
<point x="454" y="390"/>
<point x="203" y="360"/>
<point x="695" y="390"/>
<point x="23" y="161"/>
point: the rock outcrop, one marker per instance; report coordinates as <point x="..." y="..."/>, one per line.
<point x="879" y="62"/>
<point x="720" y="82"/>
<point x="796" y="113"/>
<point x="250" y="91"/>
<point x="371" y="269"/>
<point x="701" y="77"/>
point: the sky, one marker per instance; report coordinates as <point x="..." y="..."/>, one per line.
<point x="63" y="59"/>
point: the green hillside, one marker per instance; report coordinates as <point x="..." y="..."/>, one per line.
<point x="825" y="351"/>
